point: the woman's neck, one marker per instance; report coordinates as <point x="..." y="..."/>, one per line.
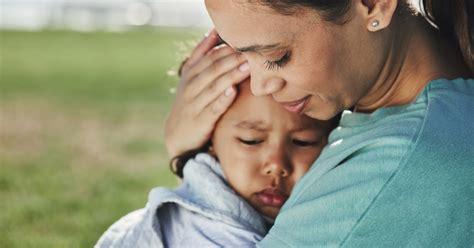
<point x="418" y="55"/>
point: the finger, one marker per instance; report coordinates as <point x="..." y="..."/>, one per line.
<point x="211" y="57"/>
<point x="216" y="70"/>
<point x="218" y="107"/>
<point x="219" y="87"/>
<point x="189" y="73"/>
<point x="180" y="68"/>
<point x="210" y="41"/>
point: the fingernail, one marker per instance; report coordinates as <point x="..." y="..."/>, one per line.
<point x="229" y="91"/>
<point x="244" y="67"/>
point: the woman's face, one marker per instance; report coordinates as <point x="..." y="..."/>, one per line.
<point x="264" y="149"/>
<point x="308" y="65"/>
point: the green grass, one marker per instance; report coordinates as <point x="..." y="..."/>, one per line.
<point x="81" y="119"/>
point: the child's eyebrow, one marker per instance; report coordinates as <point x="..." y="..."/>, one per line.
<point x="257" y="125"/>
<point x="306" y="127"/>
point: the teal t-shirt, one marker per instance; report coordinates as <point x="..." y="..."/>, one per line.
<point x="400" y="176"/>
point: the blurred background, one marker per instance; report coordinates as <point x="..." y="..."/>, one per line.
<point x="85" y="86"/>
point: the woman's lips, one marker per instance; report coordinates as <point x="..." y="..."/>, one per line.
<point x="296" y="106"/>
<point x="272" y="197"/>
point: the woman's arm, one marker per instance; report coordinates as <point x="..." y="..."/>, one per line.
<point x="205" y="92"/>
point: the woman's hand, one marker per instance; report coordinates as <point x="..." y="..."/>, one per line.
<point x="205" y="92"/>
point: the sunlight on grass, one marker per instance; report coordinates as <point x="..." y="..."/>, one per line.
<point x="81" y="139"/>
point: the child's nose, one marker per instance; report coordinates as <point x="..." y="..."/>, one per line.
<point x="276" y="171"/>
<point x="278" y="164"/>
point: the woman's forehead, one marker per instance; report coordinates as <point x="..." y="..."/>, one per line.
<point x="241" y="26"/>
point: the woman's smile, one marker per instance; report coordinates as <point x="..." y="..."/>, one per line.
<point x="296" y="106"/>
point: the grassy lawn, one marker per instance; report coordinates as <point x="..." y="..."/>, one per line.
<point x="81" y="119"/>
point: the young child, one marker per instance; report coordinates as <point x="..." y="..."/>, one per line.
<point x="230" y="193"/>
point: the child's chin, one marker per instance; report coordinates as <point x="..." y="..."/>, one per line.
<point x="270" y="212"/>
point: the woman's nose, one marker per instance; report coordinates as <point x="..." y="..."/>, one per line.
<point x="262" y="86"/>
<point x="277" y="165"/>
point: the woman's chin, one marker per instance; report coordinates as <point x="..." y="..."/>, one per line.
<point x="318" y="115"/>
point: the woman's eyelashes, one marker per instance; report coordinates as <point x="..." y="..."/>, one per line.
<point x="279" y="63"/>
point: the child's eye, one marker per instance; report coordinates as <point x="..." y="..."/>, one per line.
<point x="304" y="142"/>
<point x="279" y="63"/>
<point x="250" y="142"/>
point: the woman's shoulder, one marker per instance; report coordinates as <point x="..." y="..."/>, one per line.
<point x="451" y="87"/>
<point x="449" y="117"/>
<point x="447" y="127"/>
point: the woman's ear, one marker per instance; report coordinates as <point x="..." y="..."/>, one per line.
<point x="377" y="14"/>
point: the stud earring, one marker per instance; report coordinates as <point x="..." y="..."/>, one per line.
<point x="375" y="23"/>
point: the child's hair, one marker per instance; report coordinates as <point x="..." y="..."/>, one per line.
<point x="177" y="163"/>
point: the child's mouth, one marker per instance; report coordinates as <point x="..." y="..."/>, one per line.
<point x="272" y="197"/>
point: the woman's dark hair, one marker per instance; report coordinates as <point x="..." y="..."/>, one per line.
<point x="454" y="18"/>
<point x="332" y="10"/>
<point x="177" y="163"/>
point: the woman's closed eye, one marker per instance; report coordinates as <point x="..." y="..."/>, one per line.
<point x="305" y="143"/>
<point x="279" y="63"/>
<point x="250" y="142"/>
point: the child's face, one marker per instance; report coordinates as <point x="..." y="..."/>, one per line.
<point x="264" y="149"/>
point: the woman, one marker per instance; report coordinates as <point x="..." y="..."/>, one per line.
<point x="398" y="170"/>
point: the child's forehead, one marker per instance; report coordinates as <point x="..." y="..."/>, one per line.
<point x="245" y="95"/>
<point x="246" y="101"/>
<point x="263" y="113"/>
